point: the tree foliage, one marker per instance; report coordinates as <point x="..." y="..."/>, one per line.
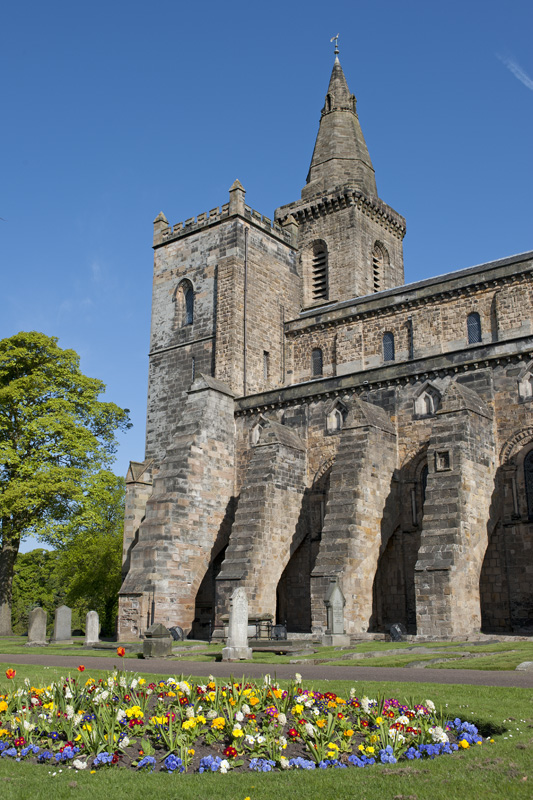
<point x="56" y="435"/>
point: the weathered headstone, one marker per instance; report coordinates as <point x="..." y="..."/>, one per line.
<point x="62" y="626"/>
<point x="92" y="629"/>
<point x="237" y="644"/>
<point x="335" y="635"/>
<point x="37" y="628"/>
<point x="397" y="632"/>
<point x="157" y="641"/>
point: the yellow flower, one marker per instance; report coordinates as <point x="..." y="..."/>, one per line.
<point x="361" y="747"/>
<point x="253" y="701"/>
<point x="332" y="704"/>
<point x="333" y="746"/>
<point x="171" y="694"/>
<point x="211" y="696"/>
<point x="134" y="711"/>
<point x="3" y="705"/>
<point x="4" y="732"/>
<point x="369" y="749"/>
<point x="201" y="720"/>
<point x="463" y="743"/>
<point x="191" y="751"/>
<point x="277" y="693"/>
<point x="320" y="723"/>
<point x="236" y="733"/>
<point x="87" y="727"/>
<point x="349" y="732"/>
<point x="373" y="738"/>
<point x="297" y="710"/>
<point x="141" y="681"/>
<point x="189" y="723"/>
<point x="379" y="720"/>
<point x="219" y="723"/>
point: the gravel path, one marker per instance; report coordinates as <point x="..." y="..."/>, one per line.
<point x="472" y="677"/>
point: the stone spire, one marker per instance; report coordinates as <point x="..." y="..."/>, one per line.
<point x="340" y="157"/>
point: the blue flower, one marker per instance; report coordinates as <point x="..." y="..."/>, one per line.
<point x="262" y="764"/>
<point x="173" y="763"/>
<point x="147" y="761"/>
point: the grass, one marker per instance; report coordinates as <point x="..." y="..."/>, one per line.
<point x="500" y="770"/>
<point x="496" y="656"/>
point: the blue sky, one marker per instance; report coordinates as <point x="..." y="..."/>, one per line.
<point x="114" y="111"/>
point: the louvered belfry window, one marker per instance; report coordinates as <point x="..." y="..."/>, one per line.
<point x="320" y="272"/>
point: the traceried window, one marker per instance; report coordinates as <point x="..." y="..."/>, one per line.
<point x="388" y="346"/>
<point x="473" y="324"/>
<point x="528" y="479"/>
<point x="184" y="304"/>
<point x="316" y="362"/>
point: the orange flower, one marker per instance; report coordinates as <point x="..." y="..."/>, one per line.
<point x="121" y="652"/>
<point x="10" y="673"/>
<point x="81" y="668"/>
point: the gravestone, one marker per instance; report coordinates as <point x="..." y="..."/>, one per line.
<point x="62" y="626"/>
<point x="157" y="641"/>
<point x="335" y="635"/>
<point x="237" y="644"/>
<point x="37" y="628"/>
<point x="397" y="632"/>
<point x="92" y="629"/>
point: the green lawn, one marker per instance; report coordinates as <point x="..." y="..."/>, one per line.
<point x="499" y="770"/>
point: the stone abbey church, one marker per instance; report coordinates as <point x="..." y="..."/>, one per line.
<point x="313" y="420"/>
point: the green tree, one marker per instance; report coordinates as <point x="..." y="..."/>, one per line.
<point x="90" y="560"/>
<point x="35" y="583"/>
<point x="55" y="437"/>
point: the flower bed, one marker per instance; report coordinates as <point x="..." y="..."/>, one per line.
<point x="181" y="726"/>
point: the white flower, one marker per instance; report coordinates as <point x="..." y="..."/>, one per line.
<point x="430" y="705"/>
<point x="68" y="694"/>
<point x="124" y="742"/>
<point x="403" y="720"/>
<point x="78" y="764"/>
<point x="224" y="766"/>
<point x="239" y="716"/>
<point x="282" y="742"/>
<point x="110" y="682"/>
<point x="34" y="701"/>
<point x="282" y="719"/>
<point x="438" y="735"/>
<point x="133" y="684"/>
<point x="260" y="739"/>
<point x="297" y="678"/>
<point x="69" y="711"/>
<point x="352" y="693"/>
<point x="28" y="726"/>
<point x="189" y="713"/>
<point x="266" y="679"/>
<point x="123" y="683"/>
<point x="250" y="740"/>
<point x="309" y="729"/>
<point x="121" y="714"/>
<point x="396" y="735"/>
<point x="366" y="703"/>
<point x="310" y="702"/>
<point x="316" y="711"/>
<point x="211" y="678"/>
<point x="237" y="726"/>
<point x="184" y="686"/>
<point x="212" y="714"/>
<point x="284" y="762"/>
<point x="246" y="709"/>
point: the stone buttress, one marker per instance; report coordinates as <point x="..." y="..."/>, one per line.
<point x="360" y="484"/>
<point x="460" y="485"/>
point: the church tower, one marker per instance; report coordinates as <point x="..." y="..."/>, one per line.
<point x="350" y="241"/>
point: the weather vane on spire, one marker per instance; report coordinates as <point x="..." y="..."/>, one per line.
<point x="336" y="40"/>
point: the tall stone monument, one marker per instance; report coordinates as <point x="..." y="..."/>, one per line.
<point x="335" y="634"/>
<point x="62" y="626"/>
<point x="37" y="628"/>
<point x="237" y="644"/>
<point x="92" y="629"/>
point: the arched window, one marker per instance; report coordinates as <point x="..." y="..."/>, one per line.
<point x="380" y="257"/>
<point x="388" y="346"/>
<point x="316" y="362"/>
<point x="319" y="268"/>
<point x="184" y="304"/>
<point x="473" y="324"/>
<point x="189" y="305"/>
<point x="528" y="479"/>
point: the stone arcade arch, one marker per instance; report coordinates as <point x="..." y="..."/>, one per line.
<point x="506" y="592"/>
<point x="293" y="594"/>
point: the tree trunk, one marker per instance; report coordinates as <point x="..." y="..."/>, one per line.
<point x="8" y="556"/>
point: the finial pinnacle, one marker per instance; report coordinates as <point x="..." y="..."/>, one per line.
<point x="336" y="40"/>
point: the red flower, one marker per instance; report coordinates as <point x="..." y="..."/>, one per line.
<point x="20" y="742"/>
<point x="230" y="752"/>
<point x="293" y="733"/>
<point x="121" y="652"/>
<point x="10" y="673"/>
<point x="81" y="668"/>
